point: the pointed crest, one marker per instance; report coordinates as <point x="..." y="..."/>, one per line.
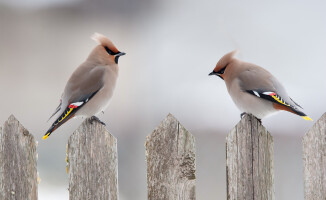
<point x="104" y="41"/>
<point x="227" y="57"/>
<point x="233" y="53"/>
<point x="225" y="60"/>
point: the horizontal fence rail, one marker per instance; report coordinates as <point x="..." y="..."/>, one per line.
<point x="170" y="155"/>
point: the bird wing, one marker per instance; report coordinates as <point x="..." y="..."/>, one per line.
<point x="278" y="102"/>
<point x="84" y="81"/>
<point x="260" y="80"/>
<point x="68" y="113"/>
<point x="260" y="83"/>
<point x="270" y="96"/>
<point x="295" y="103"/>
<point x="56" y="110"/>
<point x="81" y="87"/>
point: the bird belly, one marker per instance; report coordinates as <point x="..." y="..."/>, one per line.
<point x="251" y="104"/>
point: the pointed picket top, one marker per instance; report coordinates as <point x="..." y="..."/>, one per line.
<point x="12" y="129"/>
<point x="318" y="128"/>
<point x="88" y="125"/>
<point x="168" y="120"/>
<point x="170" y="128"/>
<point x="170" y="156"/>
<point x="92" y="162"/>
<point x="249" y="161"/>
<point x="18" y="167"/>
<point x="13" y="121"/>
<point x="314" y="160"/>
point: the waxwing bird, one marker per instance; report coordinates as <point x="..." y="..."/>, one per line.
<point x="253" y="89"/>
<point x="90" y="87"/>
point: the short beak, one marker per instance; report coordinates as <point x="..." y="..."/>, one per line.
<point x="213" y="73"/>
<point x="120" y="54"/>
<point x="117" y="56"/>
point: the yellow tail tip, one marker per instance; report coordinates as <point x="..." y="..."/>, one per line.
<point x="307" y="118"/>
<point x="46" y="136"/>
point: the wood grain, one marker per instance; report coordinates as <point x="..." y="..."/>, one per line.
<point x="249" y="161"/>
<point x="314" y="161"/>
<point x="170" y="155"/>
<point x="93" y="163"/>
<point x="18" y="167"/>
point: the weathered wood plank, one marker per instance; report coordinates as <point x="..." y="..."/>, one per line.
<point x="249" y="161"/>
<point x="18" y="162"/>
<point x="314" y="161"/>
<point x="170" y="155"/>
<point x="92" y="163"/>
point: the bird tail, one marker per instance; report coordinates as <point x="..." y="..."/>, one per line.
<point x="304" y="116"/>
<point x="279" y="103"/>
<point x="292" y="110"/>
<point x="65" y="116"/>
<point x="301" y="114"/>
<point x="69" y="113"/>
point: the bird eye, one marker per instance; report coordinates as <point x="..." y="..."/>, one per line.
<point x="222" y="70"/>
<point x="109" y="51"/>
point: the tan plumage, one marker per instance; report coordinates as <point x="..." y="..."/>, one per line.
<point x="90" y="87"/>
<point x="253" y="89"/>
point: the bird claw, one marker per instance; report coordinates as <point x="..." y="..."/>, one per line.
<point x="94" y="118"/>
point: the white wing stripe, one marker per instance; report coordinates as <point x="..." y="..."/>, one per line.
<point x="77" y="103"/>
<point x="256" y="93"/>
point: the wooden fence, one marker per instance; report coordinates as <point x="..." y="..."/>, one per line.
<point x="170" y="154"/>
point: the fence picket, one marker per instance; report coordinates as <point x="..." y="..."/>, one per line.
<point x="314" y="161"/>
<point x="249" y="161"/>
<point x="18" y="168"/>
<point x="170" y="155"/>
<point x="92" y="163"/>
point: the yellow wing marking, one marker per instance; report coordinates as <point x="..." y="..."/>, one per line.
<point x="66" y="115"/>
<point x="282" y="102"/>
<point x="279" y="100"/>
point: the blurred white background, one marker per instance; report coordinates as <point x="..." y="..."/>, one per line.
<point x="171" y="47"/>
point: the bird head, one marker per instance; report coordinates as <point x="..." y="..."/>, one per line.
<point x="222" y="65"/>
<point x="106" y="48"/>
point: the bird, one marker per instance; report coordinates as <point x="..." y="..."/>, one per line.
<point x="253" y="89"/>
<point x="91" y="86"/>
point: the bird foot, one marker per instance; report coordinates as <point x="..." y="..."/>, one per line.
<point x="94" y="118"/>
